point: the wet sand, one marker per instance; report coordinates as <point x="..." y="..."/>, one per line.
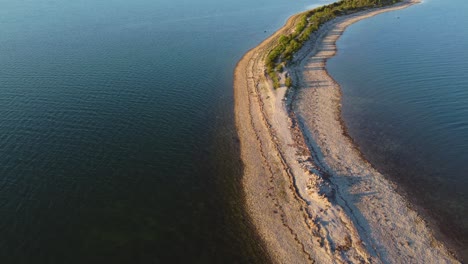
<point x="311" y="195"/>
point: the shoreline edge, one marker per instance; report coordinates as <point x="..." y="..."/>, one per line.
<point x="310" y="194"/>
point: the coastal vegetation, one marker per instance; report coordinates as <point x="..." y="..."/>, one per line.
<point x="309" y="22"/>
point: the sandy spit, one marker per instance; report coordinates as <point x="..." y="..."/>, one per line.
<point x="310" y="194"/>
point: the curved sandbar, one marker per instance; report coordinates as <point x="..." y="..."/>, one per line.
<point x="310" y="194"/>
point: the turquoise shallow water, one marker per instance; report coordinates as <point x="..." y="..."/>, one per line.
<point x="116" y="129"/>
<point x="405" y="103"/>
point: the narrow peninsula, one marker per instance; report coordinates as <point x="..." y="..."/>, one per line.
<point x="309" y="192"/>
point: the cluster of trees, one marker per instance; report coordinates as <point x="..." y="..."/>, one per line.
<point x="308" y="23"/>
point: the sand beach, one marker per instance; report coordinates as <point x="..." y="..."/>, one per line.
<point x="311" y="195"/>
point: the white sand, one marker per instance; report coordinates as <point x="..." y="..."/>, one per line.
<point x="308" y="191"/>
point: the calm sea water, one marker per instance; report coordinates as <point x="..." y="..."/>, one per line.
<point x="404" y="80"/>
<point x="117" y="139"/>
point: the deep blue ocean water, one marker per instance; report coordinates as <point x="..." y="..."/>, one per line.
<point x="404" y="77"/>
<point x="117" y="138"/>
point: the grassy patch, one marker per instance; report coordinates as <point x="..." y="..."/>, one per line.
<point x="287" y="45"/>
